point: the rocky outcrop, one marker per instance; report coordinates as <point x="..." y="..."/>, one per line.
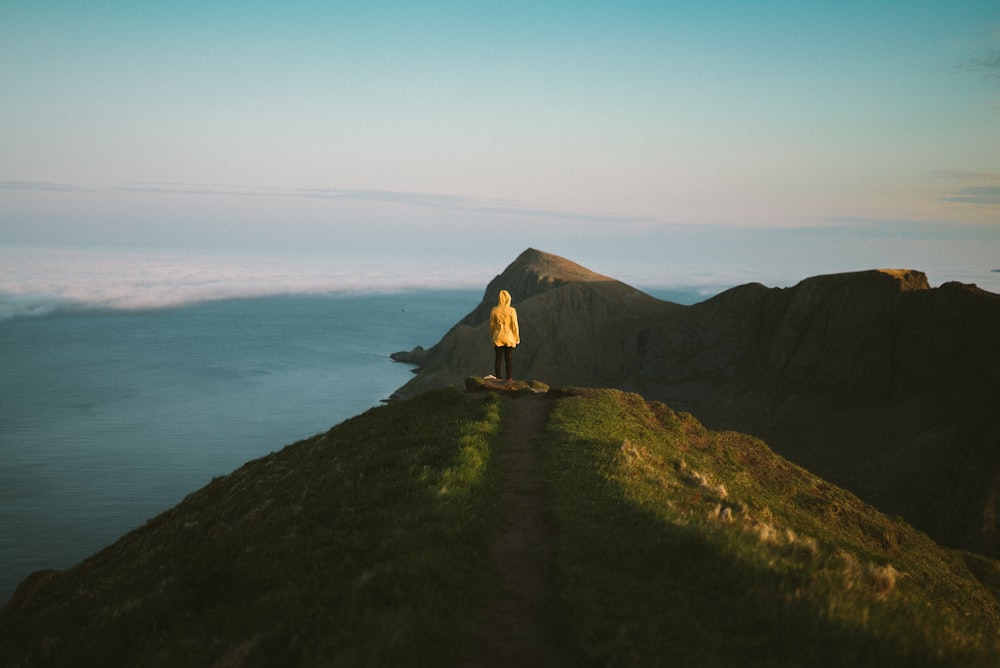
<point x="415" y="356"/>
<point x="872" y="379"/>
<point x="572" y="320"/>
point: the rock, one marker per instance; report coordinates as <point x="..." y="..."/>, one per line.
<point x="415" y="356"/>
<point x="513" y="387"/>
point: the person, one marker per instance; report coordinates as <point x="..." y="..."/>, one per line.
<point x="506" y="335"/>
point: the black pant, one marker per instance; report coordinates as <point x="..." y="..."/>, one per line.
<point x="504" y="354"/>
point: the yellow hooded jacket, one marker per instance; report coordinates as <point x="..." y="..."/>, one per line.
<point x="503" y="322"/>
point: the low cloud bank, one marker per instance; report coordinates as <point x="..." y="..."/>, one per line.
<point x="41" y="281"/>
<point x="37" y="280"/>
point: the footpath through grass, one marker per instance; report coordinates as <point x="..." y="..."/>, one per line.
<point x="369" y="546"/>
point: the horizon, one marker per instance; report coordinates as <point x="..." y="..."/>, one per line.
<point x="312" y="147"/>
<point x="41" y="281"/>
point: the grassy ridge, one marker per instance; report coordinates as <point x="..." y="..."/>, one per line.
<point x="362" y="546"/>
<point x="709" y="549"/>
<point x="369" y="545"/>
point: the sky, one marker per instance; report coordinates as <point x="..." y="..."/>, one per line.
<point x="263" y="146"/>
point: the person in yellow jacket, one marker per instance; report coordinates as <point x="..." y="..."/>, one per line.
<point x="505" y="332"/>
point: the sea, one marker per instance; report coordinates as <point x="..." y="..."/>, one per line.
<point x="110" y="417"/>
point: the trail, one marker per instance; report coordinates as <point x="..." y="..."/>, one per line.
<point x="522" y="626"/>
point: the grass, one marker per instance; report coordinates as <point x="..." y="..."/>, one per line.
<point x="709" y="549"/>
<point x="361" y="546"/>
<point x="369" y="546"/>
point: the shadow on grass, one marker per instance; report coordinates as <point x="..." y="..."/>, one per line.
<point x="639" y="590"/>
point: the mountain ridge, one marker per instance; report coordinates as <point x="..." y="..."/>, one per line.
<point x="872" y="378"/>
<point x="370" y="545"/>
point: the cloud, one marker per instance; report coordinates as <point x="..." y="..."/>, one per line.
<point x="424" y="200"/>
<point x="979" y="195"/>
<point x="43" y="186"/>
<point x="431" y="200"/>
<point x="177" y="189"/>
<point x="37" y="280"/>
<point x="987" y="193"/>
<point x="865" y="230"/>
<point x="474" y="204"/>
<point x="988" y="64"/>
<point x="960" y="175"/>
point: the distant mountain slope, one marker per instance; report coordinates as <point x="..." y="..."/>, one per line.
<point x="368" y="545"/>
<point x="872" y="379"/>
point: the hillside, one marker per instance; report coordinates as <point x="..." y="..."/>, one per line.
<point x="871" y="379"/>
<point x="573" y="527"/>
<point x="574" y="327"/>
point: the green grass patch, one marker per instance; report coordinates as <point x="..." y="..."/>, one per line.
<point x="702" y="548"/>
<point x="364" y="546"/>
<point x="369" y="546"/>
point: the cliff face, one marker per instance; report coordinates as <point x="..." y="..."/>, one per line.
<point x="872" y="379"/>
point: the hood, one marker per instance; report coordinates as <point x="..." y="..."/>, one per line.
<point x="504" y="298"/>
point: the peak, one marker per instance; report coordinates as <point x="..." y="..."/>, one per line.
<point x="908" y="279"/>
<point x="904" y="280"/>
<point x="550" y="269"/>
<point x="533" y="273"/>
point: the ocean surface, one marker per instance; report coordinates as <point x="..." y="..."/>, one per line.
<point x="110" y="417"/>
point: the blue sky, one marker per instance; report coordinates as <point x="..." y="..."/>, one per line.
<point x="659" y="142"/>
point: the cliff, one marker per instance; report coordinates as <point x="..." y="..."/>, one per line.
<point x="872" y="379"/>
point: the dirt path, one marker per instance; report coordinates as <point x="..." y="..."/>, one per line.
<point x="522" y="628"/>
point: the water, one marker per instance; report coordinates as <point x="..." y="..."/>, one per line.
<point x="108" y="418"/>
